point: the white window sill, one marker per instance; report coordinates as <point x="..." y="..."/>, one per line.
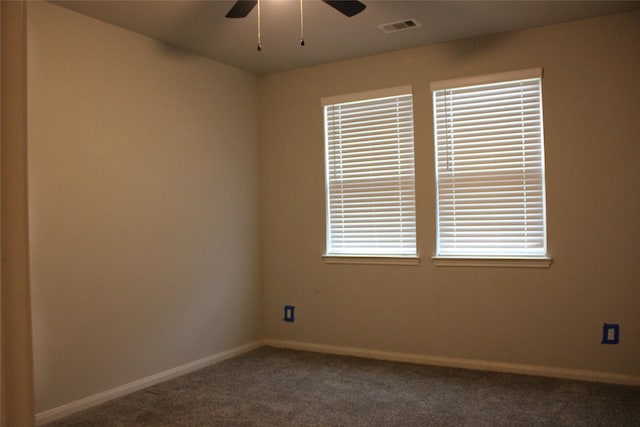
<point x="371" y="259"/>
<point x="510" y="262"/>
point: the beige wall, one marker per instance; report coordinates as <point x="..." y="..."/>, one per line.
<point x="548" y="318"/>
<point x="143" y="206"/>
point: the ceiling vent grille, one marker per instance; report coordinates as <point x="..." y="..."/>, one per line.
<point x="404" y="25"/>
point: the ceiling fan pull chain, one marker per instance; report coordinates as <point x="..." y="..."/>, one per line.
<point x="301" y="24"/>
<point x="259" y="40"/>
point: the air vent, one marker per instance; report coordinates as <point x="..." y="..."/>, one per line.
<point x="404" y="25"/>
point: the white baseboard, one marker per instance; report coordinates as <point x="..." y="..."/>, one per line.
<point x="96" y="399"/>
<point x="480" y="365"/>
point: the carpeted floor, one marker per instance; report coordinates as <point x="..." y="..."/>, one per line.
<point x="276" y="387"/>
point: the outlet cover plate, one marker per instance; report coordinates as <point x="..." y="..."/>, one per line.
<point x="610" y="333"/>
<point x="289" y="313"/>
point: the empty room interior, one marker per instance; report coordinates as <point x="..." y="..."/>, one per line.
<point x="178" y="211"/>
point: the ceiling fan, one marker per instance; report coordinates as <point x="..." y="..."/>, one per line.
<point x="348" y="8"/>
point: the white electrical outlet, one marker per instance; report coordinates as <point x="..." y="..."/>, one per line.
<point x="289" y="315"/>
<point x="610" y="333"/>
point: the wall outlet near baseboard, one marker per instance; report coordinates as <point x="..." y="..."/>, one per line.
<point x="610" y="333"/>
<point x="289" y="313"/>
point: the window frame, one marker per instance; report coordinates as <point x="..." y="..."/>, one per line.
<point x="342" y="255"/>
<point x="482" y="260"/>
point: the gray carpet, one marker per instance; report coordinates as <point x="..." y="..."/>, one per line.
<point x="269" y="387"/>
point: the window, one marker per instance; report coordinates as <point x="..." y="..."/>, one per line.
<point x="370" y="174"/>
<point x="489" y="155"/>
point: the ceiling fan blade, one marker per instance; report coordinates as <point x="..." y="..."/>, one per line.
<point x="346" y="7"/>
<point x="241" y="8"/>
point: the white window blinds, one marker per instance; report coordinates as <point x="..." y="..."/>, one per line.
<point x="370" y="173"/>
<point x="490" y="166"/>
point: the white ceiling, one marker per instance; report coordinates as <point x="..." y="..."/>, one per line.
<point x="200" y="26"/>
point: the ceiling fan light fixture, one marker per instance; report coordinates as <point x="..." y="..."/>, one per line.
<point x="349" y="8"/>
<point x="242" y="8"/>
